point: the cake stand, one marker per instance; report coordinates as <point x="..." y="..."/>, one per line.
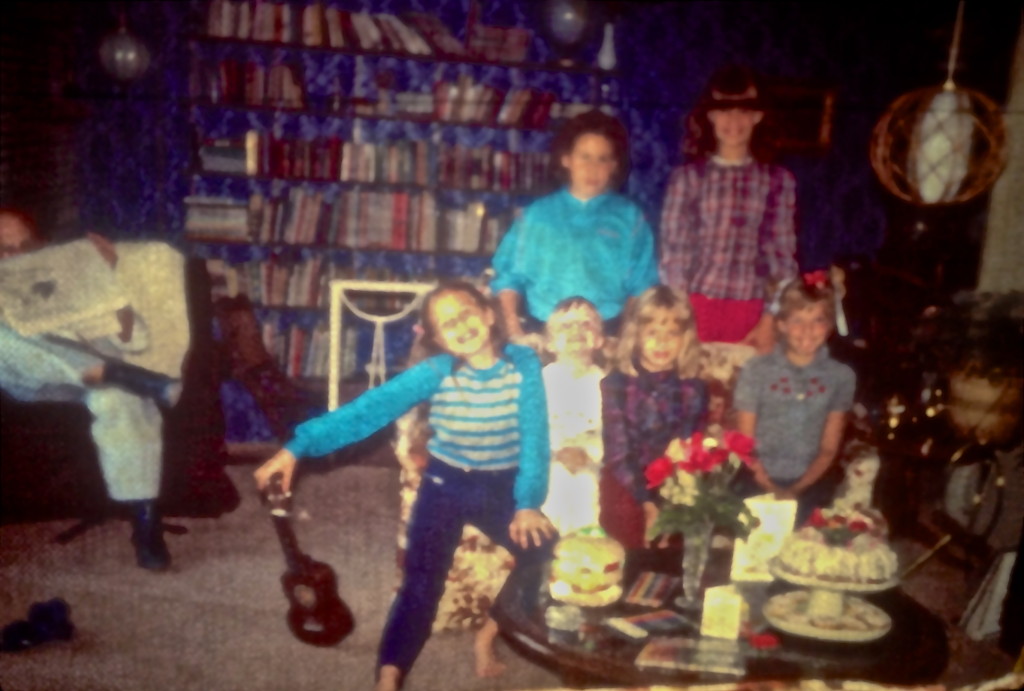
<point x="828" y="610"/>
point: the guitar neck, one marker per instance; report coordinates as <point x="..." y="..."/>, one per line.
<point x="293" y="556"/>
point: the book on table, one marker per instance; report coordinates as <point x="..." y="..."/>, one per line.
<point x="640" y="626"/>
<point x="719" y="656"/>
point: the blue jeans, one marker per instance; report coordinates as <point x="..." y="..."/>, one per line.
<point x="126" y="428"/>
<point x="448" y="499"/>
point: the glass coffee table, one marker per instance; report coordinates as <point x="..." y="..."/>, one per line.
<point x="913" y="651"/>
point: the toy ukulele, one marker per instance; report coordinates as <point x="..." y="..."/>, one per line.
<point x="318" y="615"/>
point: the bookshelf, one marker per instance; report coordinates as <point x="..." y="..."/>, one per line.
<point x="335" y="145"/>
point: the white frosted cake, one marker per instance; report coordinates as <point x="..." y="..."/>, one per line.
<point x="841" y="547"/>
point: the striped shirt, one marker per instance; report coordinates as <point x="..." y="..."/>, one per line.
<point x="475" y="418"/>
<point x="728" y="231"/>
<point x="482" y="420"/>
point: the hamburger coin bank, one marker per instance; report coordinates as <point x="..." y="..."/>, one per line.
<point x="587" y="570"/>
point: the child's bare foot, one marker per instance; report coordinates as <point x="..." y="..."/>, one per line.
<point x="484" y="653"/>
<point x="388" y="679"/>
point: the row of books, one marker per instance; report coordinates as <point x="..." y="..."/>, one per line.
<point x="486" y="168"/>
<point x="318" y="24"/>
<point x="217" y="218"/>
<point x="356" y="219"/>
<point x="304" y="353"/>
<point x="466" y="100"/>
<point x="231" y="82"/>
<point x="314" y="24"/>
<point x="405" y="161"/>
<point x="275" y="282"/>
<point x="249" y="83"/>
<point x="300" y="349"/>
<point x="299" y="283"/>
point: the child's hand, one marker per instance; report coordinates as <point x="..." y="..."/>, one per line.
<point x="761" y="477"/>
<point x="530" y="526"/>
<point x="573" y="458"/>
<point x="282" y="462"/>
<point x="93" y="376"/>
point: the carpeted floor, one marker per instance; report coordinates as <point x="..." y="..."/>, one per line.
<point x="216" y="620"/>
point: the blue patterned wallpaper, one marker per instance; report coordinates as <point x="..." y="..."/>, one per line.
<point x="134" y="155"/>
<point x="135" y="152"/>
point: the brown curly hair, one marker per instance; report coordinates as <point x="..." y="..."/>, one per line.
<point x="592" y="122"/>
<point x="430" y="344"/>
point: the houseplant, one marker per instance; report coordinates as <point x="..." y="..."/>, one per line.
<point x="693" y="479"/>
<point x="977" y="343"/>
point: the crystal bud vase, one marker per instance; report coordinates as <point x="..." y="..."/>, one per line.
<point x="696" y="546"/>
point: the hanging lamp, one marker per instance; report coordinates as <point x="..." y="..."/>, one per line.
<point x="940" y="145"/>
<point x="124" y="56"/>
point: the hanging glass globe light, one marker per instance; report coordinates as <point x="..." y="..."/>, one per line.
<point x="123" y="55"/>
<point x="566" y="23"/>
<point x="940" y="145"/>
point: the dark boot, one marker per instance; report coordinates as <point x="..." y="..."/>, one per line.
<point x="148" y="537"/>
<point x="161" y="388"/>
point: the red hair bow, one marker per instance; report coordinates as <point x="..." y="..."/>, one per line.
<point x="817" y="279"/>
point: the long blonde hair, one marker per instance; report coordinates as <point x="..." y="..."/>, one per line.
<point x="641" y="312"/>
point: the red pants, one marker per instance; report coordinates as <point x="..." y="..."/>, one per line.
<point x="621" y="516"/>
<point x="725" y="321"/>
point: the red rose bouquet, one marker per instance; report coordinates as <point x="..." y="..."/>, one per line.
<point x="693" y="478"/>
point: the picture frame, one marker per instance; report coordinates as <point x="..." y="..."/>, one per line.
<point x="802" y="116"/>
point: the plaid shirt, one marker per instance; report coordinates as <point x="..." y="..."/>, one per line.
<point x="641" y="415"/>
<point x="728" y="231"/>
